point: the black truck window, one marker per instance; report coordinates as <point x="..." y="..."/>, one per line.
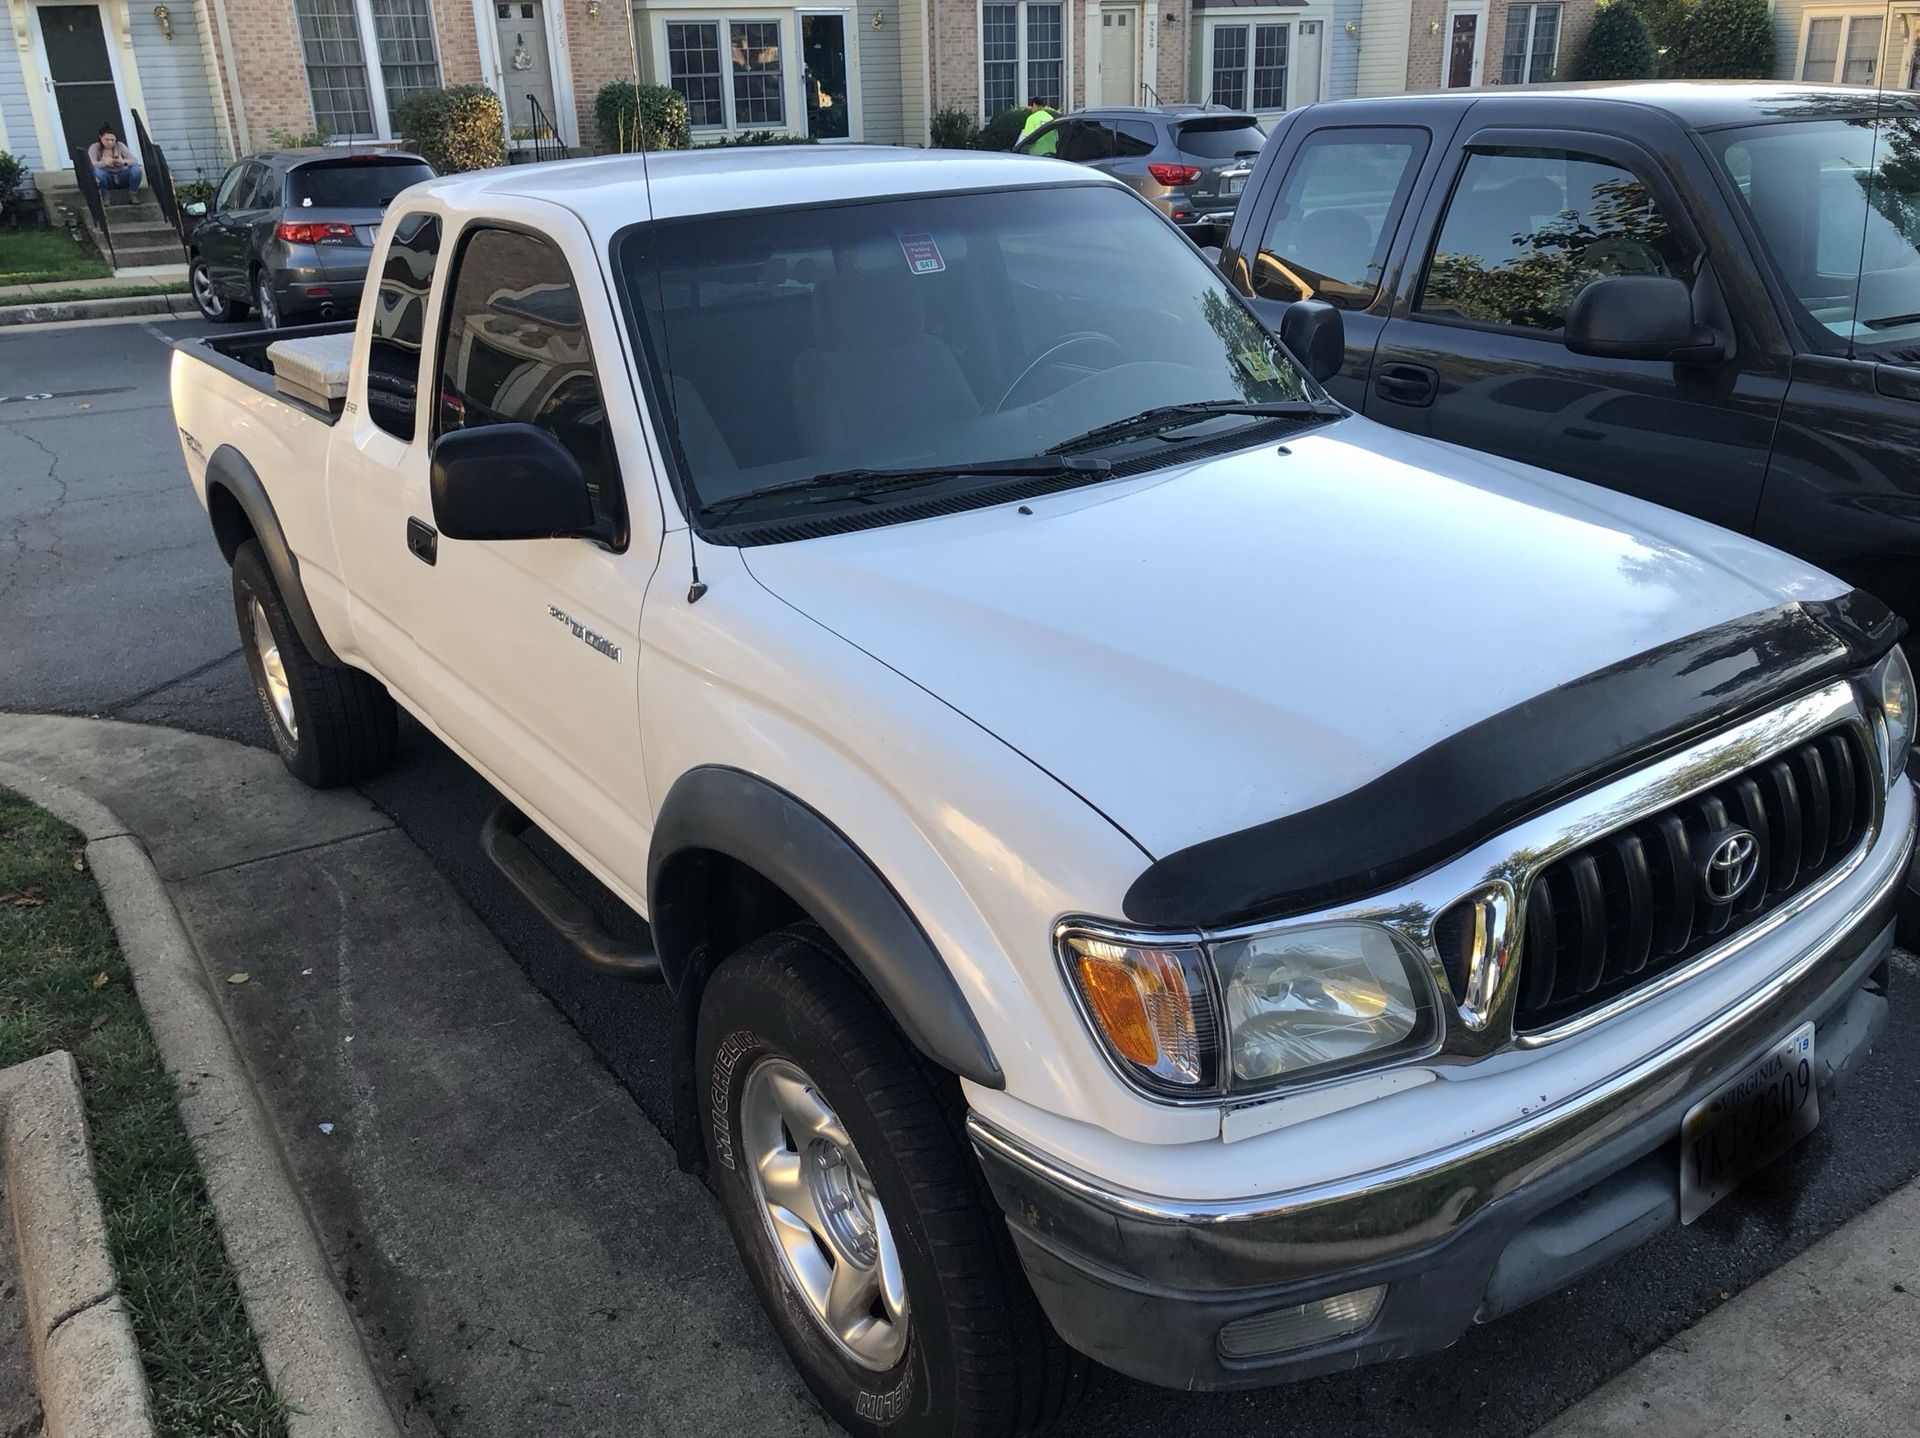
<point x="514" y="348"/>
<point x="399" y="317"/>
<point x="1328" y="236"/>
<point x="1527" y="230"/>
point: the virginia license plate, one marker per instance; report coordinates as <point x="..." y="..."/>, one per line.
<point x="1749" y="1123"/>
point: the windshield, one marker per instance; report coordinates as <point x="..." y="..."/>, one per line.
<point x="931" y="331"/>
<point x="1221" y="139"/>
<point x="1837" y="204"/>
<point x="332" y="185"/>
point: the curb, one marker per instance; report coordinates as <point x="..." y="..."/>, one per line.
<point x="307" y="1337"/>
<point x="106" y="307"/>
<point x="85" y="1360"/>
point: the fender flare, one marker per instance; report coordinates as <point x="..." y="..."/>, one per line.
<point x="228" y="469"/>
<point x="758" y="824"/>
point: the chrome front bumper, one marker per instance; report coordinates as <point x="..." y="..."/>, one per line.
<point x="1459" y="1236"/>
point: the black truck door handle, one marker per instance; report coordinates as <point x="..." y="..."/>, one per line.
<point x="1412" y="384"/>
<point x="423" y="540"/>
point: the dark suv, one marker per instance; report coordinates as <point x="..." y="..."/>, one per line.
<point x="1192" y="161"/>
<point x="291" y="232"/>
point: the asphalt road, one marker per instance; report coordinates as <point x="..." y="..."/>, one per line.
<point x="114" y="601"/>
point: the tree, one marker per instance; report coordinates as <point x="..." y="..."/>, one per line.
<point x="1619" y="47"/>
<point x="1726" y="40"/>
<point x="953" y="130"/>
<point x="632" y="117"/>
<point x="455" y="129"/>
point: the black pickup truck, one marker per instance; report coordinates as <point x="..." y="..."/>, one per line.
<point x="1707" y="295"/>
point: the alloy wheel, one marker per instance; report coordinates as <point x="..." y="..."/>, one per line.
<point x="263" y="298"/>
<point x="826" y="1223"/>
<point x="274" y="671"/>
<point x="204" y="296"/>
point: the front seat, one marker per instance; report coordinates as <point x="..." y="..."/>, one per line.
<point x="875" y="374"/>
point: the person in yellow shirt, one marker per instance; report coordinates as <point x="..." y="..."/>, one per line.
<point x="1037" y="116"/>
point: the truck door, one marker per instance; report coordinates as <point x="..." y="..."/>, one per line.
<point x="1322" y="227"/>
<point x="1474" y="351"/>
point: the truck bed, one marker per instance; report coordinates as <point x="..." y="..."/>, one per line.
<point x="244" y="357"/>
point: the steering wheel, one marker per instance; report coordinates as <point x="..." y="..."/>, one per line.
<point x="1078" y="339"/>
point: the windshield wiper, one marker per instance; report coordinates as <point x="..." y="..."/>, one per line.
<point x="858" y="483"/>
<point x="1172" y="416"/>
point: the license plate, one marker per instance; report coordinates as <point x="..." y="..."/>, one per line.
<point x="1235" y="184"/>
<point x="365" y="233"/>
<point x="1749" y="1123"/>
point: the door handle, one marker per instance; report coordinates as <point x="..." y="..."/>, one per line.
<point x="1413" y="384"/>
<point x="423" y="540"/>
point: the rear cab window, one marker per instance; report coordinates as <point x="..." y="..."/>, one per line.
<point x="1334" y="219"/>
<point x="1526" y="230"/>
<point x="1219" y="137"/>
<point x="352" y="184"/>
<point x="399" y="322"/>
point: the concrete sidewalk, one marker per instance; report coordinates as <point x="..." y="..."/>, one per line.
<point x="517" y="1246"/>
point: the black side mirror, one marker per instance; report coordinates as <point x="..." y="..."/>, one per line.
<point x="1314" y="334"/>
<point x="508" y="481"/>
<point x="1646" y="317"/>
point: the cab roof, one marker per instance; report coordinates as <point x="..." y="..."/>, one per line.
<point x="608" y="191"/>
<point x="1699" y="104"/>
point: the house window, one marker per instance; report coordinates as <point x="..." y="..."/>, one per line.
<point x="693" y="68"/>
<point x="1249" y="61"/>
<point x="757" y="96"/>
<point x="1533" y="44"/>
<point x="743" y="87"/>
<point x="1023" y="56"/>
<point x="1843" y="47"/>
<point x="355" y="86"/>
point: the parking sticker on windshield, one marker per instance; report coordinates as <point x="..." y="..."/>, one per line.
<point x="1257" y="365"/>
<point x="923" y="255"/>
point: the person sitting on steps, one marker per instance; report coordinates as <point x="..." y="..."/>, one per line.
<point x="114" y="167"/>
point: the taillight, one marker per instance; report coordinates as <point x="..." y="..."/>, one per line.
<point x="1174" y="175"/>
<point x="303" y="232"/>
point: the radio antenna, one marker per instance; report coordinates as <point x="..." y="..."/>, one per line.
<point x="697" y="587"/>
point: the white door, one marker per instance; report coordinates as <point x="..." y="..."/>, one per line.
<point x="524" y="65"/>
<point x="1119" y="56"/>
<point x="1303" y="70"/>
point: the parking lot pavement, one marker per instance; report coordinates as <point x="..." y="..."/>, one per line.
<point x="1505" y="1379"/>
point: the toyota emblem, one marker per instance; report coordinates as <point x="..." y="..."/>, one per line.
<point x="1731" y="865"/>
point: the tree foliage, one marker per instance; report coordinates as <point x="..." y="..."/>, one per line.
<point x="456" y="129"/>
<point x="1002" y="132"/>
<point x="634" y="117"/>
<point x="1724" y="40"/>
<point x="954" y="129"/>
<point x="1619" y="46"/>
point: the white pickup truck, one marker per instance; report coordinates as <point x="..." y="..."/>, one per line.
<point x="1140" y="857"/>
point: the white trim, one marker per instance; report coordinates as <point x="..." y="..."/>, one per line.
<point x="559" y="69"/>
<point x="1478" y="9"/>
<point x="52" y="131"/>
<point x="1020" y="62"/>
<point x="792" y="101"/>
<point x="1846" y="15"/>
<point x="849" y="19"/>
<point x="1253" y="19"/>
<point x="242" y="139"/>
<point x="1533" y="9"/>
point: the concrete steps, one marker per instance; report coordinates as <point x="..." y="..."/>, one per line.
<point x="141" y="234"/>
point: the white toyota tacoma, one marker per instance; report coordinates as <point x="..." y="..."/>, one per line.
<point x="1148" y="866"/>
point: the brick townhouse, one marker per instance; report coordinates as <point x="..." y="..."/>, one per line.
<point x="212" y="78"/>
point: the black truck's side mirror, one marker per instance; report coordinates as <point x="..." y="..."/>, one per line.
<point x="508" y="481"/>
<point x="1314" y="334"/>
<point x="1648" y="317"/>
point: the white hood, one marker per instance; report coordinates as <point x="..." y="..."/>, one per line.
<point x="1210" y="647"/>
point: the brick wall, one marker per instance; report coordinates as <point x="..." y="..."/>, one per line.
<point x="272" y="72"/>
<point x="597" y="51"/>
<point x="1170" y="74"/>
<point x="1427" y="51"/>
<point x="956" y="56"/>
<point x="457" y="41"/>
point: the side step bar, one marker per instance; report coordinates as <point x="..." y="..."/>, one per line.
<point x="564" y="910"/>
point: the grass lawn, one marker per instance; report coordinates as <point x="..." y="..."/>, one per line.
<point x="36" y="257"/>
<point x="64" y="985"/>
<point x="118" y="292"/>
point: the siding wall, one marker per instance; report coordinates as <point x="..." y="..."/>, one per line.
<point x="915" y="94"/>
<point x="181" y="113"/>
<point x="882" y="97"/>
<point x="1382" y="69"/>
<point x="1789" y="18"/>
<point x="1343" y="77"/>
<point x="14" y="114"/>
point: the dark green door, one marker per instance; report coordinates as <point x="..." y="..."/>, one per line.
<point x="76" y="46"/>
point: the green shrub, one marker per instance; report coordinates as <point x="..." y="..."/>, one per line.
<point x="634" y="117"/>
<point x="762" y="137"/>
<point x="190" y="192"/>
<point x="297" y="139"/>
<point x="1002" y="132"/>
<point x="1725" y="40"/>
<point x="1618" y="46"/>
<point x="954" y="130"/>
<point x="456" y="129"/>
<point x="13" y="170"/>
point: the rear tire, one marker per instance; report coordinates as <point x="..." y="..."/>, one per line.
<point x="207" y="297"/>
<point x="265" y="302"/>
<point x="975" y="1356"/>
<point x="332" y="726"/>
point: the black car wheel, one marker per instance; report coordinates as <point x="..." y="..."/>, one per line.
<point x="207" y="296"/>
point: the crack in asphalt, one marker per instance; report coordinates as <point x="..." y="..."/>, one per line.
<point x="121" y="705"/>
<point x="17" y="532"/>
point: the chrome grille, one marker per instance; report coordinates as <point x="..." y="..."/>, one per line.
<point x="1635" y="904"/>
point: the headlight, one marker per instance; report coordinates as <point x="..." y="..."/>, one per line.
<point x="1314" y="998"/>
<point x="1296" y="1001"/>
<point x="1891" y="685"/>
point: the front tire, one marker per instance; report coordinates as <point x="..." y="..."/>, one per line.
<point x="332" y="726"/>
<point x="860" y="1214"/>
